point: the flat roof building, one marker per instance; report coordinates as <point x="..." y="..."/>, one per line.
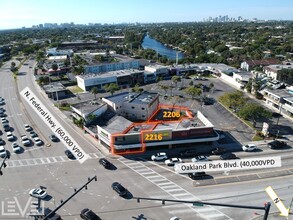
<point x="124" y="78"/>
<point x="134" y="106"/>
<point x="122" y="64"/>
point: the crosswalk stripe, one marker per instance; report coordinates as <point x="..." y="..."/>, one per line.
<point x="170" y="187"/>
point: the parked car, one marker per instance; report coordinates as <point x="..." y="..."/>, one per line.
<point x="172" y="161"/>
<point x="218" y="151"/>
<point x="2" y="151"/>
<point x="208" y="101"/>
<point x="159" y="156"/>
<point x="175" y="218"/>
<point x="53" y="138"/>
<point x="119" y="189"/>
<point x="197" y="175"/>
<point x="33" y="134"/>
<point x="249" y="147"/>
<point x="15" y="147"/>
<point x="228" y="156"/>
<point x="105" y="163"/>
<point x="199" y="159"/>
<point x="38" y="141"/>
<point x="4" y="120"/>
<point x="38" y="193"/>
<point x="88" y="214"/>
<point x="25" y="140"/>
<point x="188" y="153"/>
<point x="10" y="136"/>
<point x="2" y="141"/>
<point x="28" y="127"/>
<point x="69" y="154"/>
<point x="276" y="144"/>
<point x="6" y="127"/>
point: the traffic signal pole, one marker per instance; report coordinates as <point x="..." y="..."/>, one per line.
<point x="70" y="197"/>
<point x="266" y="208"/>
<point x="3" y="164"/>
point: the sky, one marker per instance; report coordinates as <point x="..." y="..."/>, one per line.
<point x="25" y="13"/>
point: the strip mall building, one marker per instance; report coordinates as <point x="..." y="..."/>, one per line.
<point x="160" y="125"/>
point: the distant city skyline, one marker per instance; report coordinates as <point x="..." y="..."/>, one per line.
<point x="19" y="13"/>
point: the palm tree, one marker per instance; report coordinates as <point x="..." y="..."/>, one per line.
<point x="112" y="88"/>
<point x="95" y="91"/>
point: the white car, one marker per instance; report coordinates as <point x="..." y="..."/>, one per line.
<point x="38" y="141"/>
<point x="16" y="148"/>
<point x="2" y="151"/>
<point x="172" y="161"/>
<point x="10" y="136"/>
<point x="4" y="120"/>
<point x="175" y="218"/>
<point x="38" y="193"/>
<point x="199" y="159"/>
<point x="159" y="156"/>
<point x="25" y="140"/>
<point x="249" y="147"/>
<point x="27" y="127"/>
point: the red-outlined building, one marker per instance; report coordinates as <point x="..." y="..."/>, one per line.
<point x="165" y="125"/>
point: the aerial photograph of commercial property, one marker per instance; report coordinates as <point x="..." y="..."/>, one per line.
<point x="146" y="110"/>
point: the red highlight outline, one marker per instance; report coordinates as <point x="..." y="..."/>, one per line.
<point x="148" y="122"/>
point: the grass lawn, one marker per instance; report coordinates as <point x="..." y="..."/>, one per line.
<point x="74" y="89"/>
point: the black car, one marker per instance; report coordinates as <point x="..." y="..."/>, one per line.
<point x="33" y="134"/>
<point x="2" y="141"/>
<point x="197" y="175"/>
<point x="188" y="153"/>
<point x="6" y="127"/>
<point x="218" y="151"/>
<point x="105" y="163"/>
<point x="53" y="138"/>
<point x="69" y="154"/>
<point x="119" y="189"/>
<point x="277" y="144"/>
<point x="208" y="101"/>
<point x="89" y="215"/>
<point x="228" y="156"/>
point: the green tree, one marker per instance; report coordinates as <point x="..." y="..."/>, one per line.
<point x="43" y="80"/>
<point x="112" y="88"/>
<point x="95" y="91"/>
<point x="176" y="79"/>
<point x="234" y="100"/>
<point x="248" y="86"/>
<point x="55" y="67"/>
<point x="193" y="91"/>
<point x="254" y="112"/>
<point x="137" y="88"/>
<point x="13" y="67"/>
<point x="77" y="70"/>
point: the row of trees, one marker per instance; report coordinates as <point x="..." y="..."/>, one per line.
<point x="244" y="107"/>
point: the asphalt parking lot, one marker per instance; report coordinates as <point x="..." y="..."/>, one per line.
<point x="235" y="132"/>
